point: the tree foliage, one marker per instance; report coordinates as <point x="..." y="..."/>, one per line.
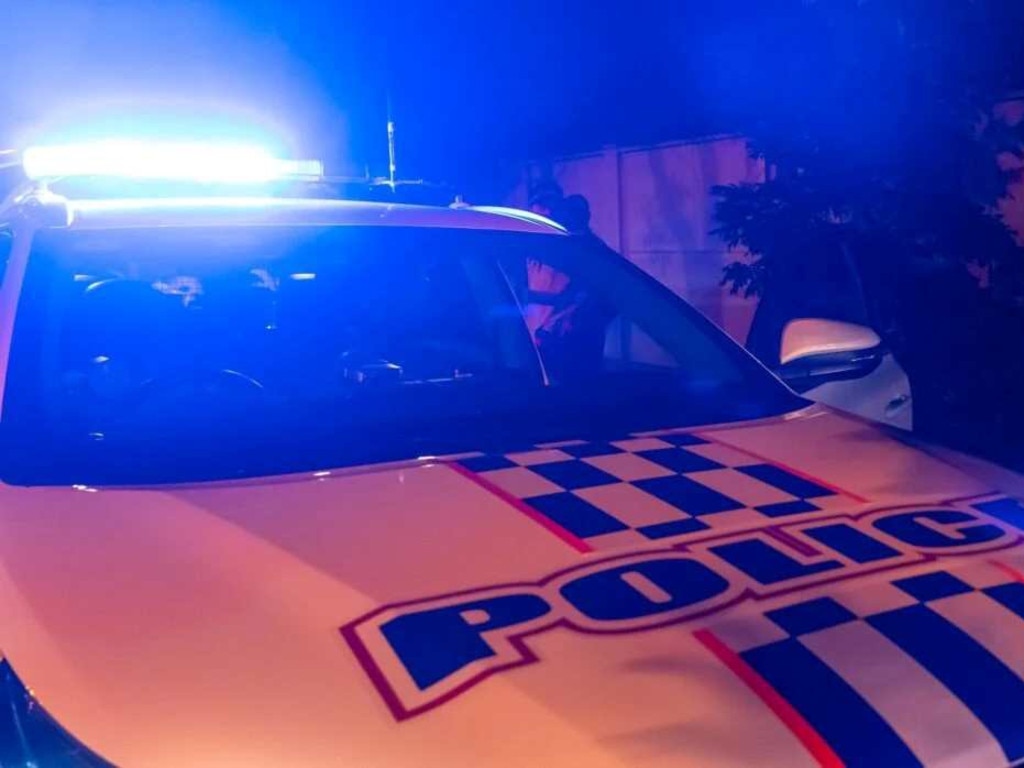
<point x="880" y="126"/>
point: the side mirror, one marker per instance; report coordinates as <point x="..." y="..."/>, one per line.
<point x="818" y="351"/>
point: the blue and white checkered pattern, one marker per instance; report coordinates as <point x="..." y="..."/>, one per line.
<point x="642" y="489"/>
<point x="924" y="669"/>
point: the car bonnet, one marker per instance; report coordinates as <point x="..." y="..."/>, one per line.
<point x="797" y="591"/>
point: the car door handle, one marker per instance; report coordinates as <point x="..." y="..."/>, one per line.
<point x="896" y="404"/>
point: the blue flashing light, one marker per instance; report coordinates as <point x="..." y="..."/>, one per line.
<point x="221" y="162"/>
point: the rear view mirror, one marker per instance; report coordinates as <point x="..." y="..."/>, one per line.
<point x="817" y="351"/>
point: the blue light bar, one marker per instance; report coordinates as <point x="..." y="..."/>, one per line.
<point x="173" y="161"/>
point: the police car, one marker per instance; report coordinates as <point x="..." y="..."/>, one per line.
<point x="317" y="482"/>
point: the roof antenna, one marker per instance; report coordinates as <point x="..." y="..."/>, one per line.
<point x="392" y="165"/>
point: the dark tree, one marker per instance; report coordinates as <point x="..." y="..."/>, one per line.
<point x="882" y="128"/>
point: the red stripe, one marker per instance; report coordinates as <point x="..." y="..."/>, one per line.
<point x="1010" y="571"/>
<point x="791" y="470"/>
<point x="573" y="541"/>
<point x="793" y="720"/>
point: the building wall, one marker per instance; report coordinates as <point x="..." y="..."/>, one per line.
<point x="654" y="205"/>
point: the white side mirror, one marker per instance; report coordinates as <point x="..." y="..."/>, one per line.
<point x="812" y="338"/>
<point x="818" y="351"/>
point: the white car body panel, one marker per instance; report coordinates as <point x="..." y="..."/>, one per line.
<point x="883" y="395"/>
<point x="269" y="211"/>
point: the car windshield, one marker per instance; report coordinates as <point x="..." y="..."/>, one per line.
<point x="168" y="355"/>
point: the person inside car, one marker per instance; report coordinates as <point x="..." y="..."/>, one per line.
<point x="570" y="322"/>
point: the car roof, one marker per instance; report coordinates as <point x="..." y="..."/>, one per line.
<point x="270" y="211"/>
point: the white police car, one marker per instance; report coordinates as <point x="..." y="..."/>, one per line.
<point x="314" y="482"/>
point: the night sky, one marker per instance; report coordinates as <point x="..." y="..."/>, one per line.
<point x="471" y="83"/>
